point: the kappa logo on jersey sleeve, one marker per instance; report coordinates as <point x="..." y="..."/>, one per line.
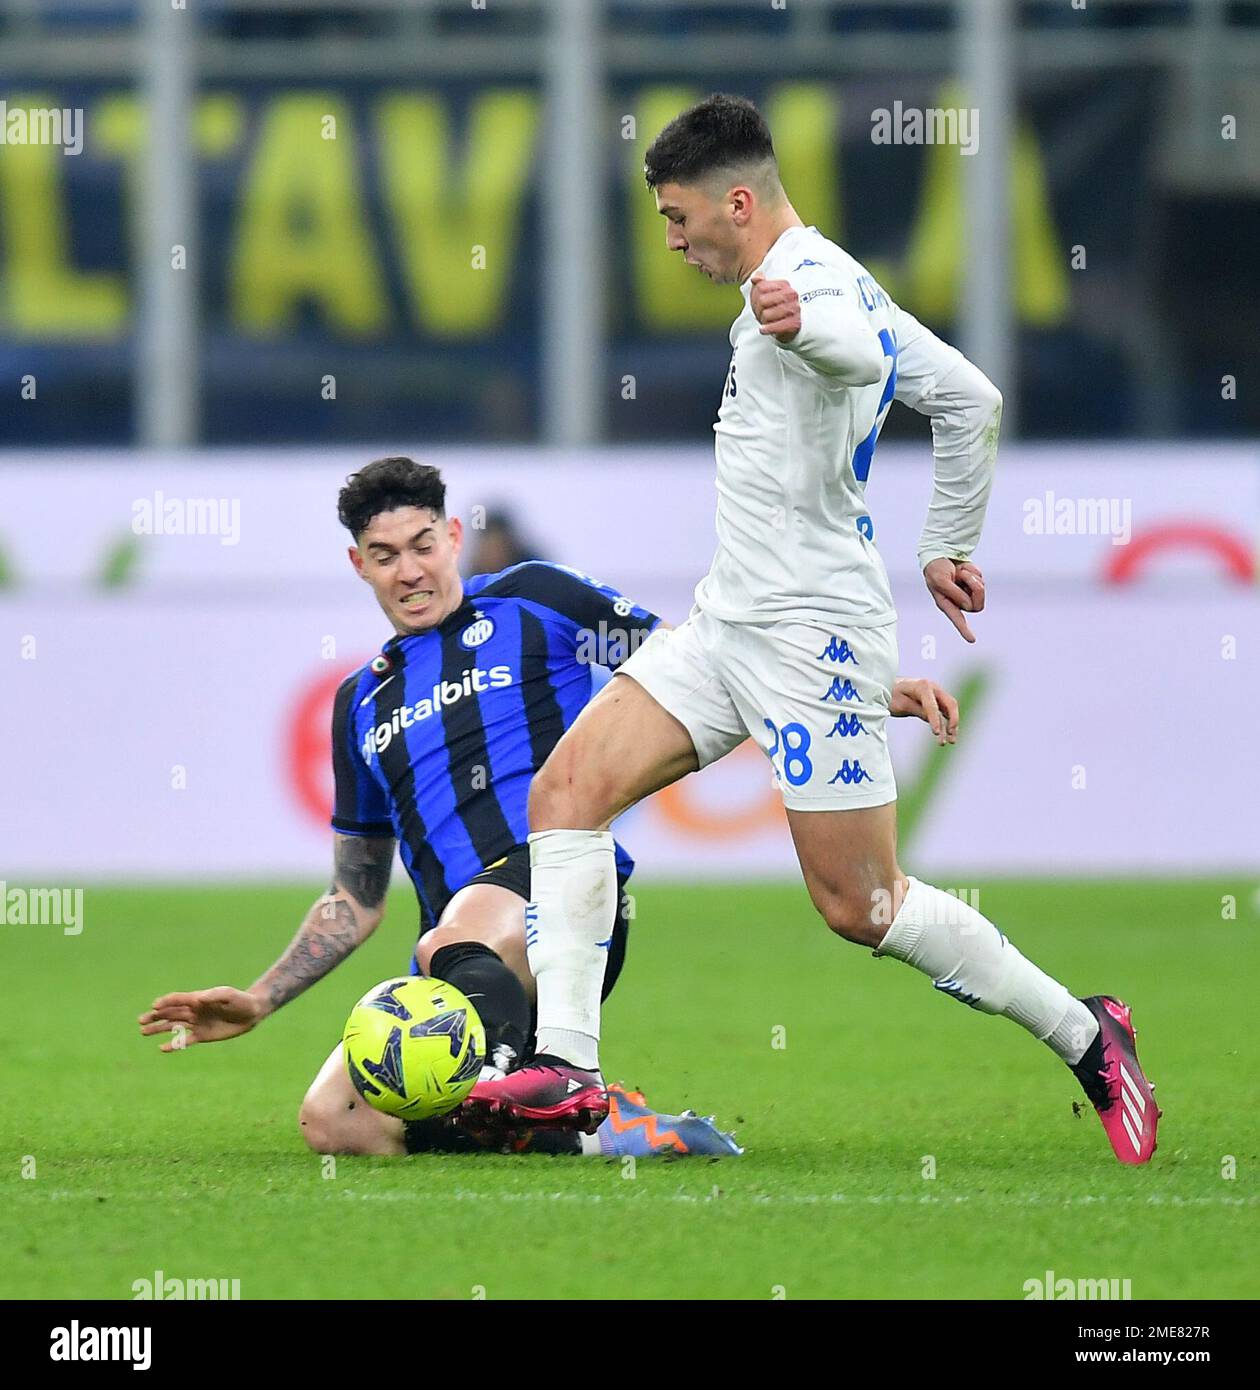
<point x="444" y="693"/>
<point x="803" y="264"/>
<point x="871" y="295"/>
<point x="847" y="726"/>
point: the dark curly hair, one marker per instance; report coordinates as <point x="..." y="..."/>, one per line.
<point x="386" y="484"/>
<point x="721" y="132"/>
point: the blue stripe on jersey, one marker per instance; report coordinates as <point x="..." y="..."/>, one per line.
<point x="469" y="742"/>
<point x="360" y="804"/>
<point x="428" y="910"/>
<point x="509" y="728"/>
<point x="569" y="686"/>
<point x="420" y="808"/>
<point x="544" y="717"/>
<point x="569" y="681"/>
<point x="432" y="793"/>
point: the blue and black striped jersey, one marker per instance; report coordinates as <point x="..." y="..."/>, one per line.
<point x="436" y="740"/>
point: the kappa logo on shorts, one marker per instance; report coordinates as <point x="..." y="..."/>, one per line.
<point x="838" y="690"/>
<point x="847" y="726"/>
<point x="851" y="773"/>
<point x="839" y="651"/>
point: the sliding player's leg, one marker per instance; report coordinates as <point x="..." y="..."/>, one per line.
<point x="335" y="1119"/>
<point x="478" y="946"/>
<point x="664" y="715"/>
<point x="488" y="917"/>
<point x="480" y="935"/>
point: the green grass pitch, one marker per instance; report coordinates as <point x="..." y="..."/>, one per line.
<point x="192" y="1163"/>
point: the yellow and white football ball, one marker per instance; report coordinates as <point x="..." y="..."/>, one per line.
<point x="414" y="1047"/>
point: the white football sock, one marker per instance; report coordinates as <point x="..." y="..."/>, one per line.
<point x="568" y="926"/>
<point x="967" y="957"/>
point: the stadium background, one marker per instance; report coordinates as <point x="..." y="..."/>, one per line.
<point x="301" y="235"/>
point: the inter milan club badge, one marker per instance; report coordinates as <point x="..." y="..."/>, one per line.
<point x="380" y="664"/>
<point x="477" y="633"/>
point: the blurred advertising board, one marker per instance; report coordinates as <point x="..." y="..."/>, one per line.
<point x="167" y="717"/>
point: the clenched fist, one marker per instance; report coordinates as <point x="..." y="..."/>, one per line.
<point x="777" y="307"/>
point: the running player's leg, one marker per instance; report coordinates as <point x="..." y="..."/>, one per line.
<point x="631" y="1126"/>
<point x="825" y="695"/>
<point x="664" y="715"/>
<point x="827" y="702"/>
<point x="623" y="747"/>
<point x="849" y="862"/>
<point x="850" y="865"/>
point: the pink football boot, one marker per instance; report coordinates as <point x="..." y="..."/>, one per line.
<point x="547" y="1093"/>
<point x="1114" y="1082"/>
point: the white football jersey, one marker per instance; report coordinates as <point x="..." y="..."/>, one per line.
<point x="796" y="436"/>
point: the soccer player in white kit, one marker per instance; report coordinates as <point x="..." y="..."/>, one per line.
<point x="792" y="641"/>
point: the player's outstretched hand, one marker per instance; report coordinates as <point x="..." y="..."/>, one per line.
<point x="777" y="307"/>
<point x="928" y="701"/>
<point x="957" y="588"/>
<point x="205" y="1015"/>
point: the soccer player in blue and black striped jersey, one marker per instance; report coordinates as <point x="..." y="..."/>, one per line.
<point x="434" y="745"/>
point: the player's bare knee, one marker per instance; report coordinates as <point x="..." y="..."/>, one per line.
<point x="860" y="908"/>
<point x="851" y="916"/>
<point x="555" y="801"/>
<point x="425" y="949"/>
<point x="498" y="935"/>
<point x="323" y="1130"/>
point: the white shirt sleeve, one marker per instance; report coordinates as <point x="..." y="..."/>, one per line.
<point x="966" y="412"/>
<point x="835" y="338"/>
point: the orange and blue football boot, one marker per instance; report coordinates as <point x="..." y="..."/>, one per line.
<point x="633" y="1127"/>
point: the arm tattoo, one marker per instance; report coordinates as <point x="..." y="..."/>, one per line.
<point x="334" y="925"/>
<point x="327" y="937"/>
<point x="361" y="867"/>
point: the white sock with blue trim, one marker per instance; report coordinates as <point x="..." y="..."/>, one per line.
<point x="967" y="957"/>
<point x="568" y="928"/>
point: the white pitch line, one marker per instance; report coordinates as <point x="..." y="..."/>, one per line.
<point x="644" y="1196"/>
<point x="797" y="1199"/>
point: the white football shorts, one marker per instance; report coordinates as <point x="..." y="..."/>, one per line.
<point x="813" y="694"/>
